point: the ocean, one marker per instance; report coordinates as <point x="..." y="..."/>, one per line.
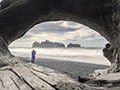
<point x="86" y="55"/>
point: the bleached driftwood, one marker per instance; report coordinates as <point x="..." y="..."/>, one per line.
<point x="28" y="76"/>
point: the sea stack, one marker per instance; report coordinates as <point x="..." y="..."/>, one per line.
<point x="48" y="44"/>
<point x="70" y="45"/>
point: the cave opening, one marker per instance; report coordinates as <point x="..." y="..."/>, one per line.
<point x="21" y="15"/>
<point x="69" y="60"/>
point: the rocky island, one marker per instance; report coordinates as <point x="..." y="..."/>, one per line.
<point x="70" y="45"/>
<point x="48" y="44"/>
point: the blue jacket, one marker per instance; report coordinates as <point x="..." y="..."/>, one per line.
<point x="33" y="54"/>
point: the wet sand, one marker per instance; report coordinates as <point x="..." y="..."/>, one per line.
<point x="74" y="69"/>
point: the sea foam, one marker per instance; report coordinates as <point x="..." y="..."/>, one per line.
<point x="86" y="55"/>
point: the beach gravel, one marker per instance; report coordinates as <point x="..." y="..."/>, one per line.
<point x="74" y="69"/>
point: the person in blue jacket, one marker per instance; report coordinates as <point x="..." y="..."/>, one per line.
<point x="33" y="56"/>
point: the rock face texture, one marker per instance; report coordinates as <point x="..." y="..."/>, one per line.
<point x="100" y="15"/>
<point x="20" y="15"/>
<point x="4" y="3"/>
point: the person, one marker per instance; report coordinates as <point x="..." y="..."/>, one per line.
<point x="33" y="56"/>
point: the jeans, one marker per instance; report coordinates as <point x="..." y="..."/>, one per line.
<point x="33" y="60"/>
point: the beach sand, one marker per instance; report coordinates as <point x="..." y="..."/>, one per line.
<point x="74" y="69"/>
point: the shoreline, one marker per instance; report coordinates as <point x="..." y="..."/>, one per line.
<point x="74" y="69"/>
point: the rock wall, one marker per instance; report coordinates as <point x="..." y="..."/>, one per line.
<point x="20" y="15"/>
<point x="100" y="15"/>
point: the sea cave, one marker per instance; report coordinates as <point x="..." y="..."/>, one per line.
<point x="20" y="15"/>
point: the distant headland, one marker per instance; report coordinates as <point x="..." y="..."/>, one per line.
<point x="49" y="44"/>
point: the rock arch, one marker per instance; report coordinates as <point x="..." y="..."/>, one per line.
<point x="21" y="15"/>
<point x="100" y="15"/>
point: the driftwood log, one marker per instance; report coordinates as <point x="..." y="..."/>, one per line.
<point x="27" y="76"/>
<point x="17" y="17"/>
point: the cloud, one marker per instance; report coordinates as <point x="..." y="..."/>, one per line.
<point x="60" y="31"/>
<point x="71" y="25"/>
<point x="64" y="29"/>
<point x="27" y="36"/>
<point x="52" y="27"/>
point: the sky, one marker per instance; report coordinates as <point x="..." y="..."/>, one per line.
<point x="61" y="31"/>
